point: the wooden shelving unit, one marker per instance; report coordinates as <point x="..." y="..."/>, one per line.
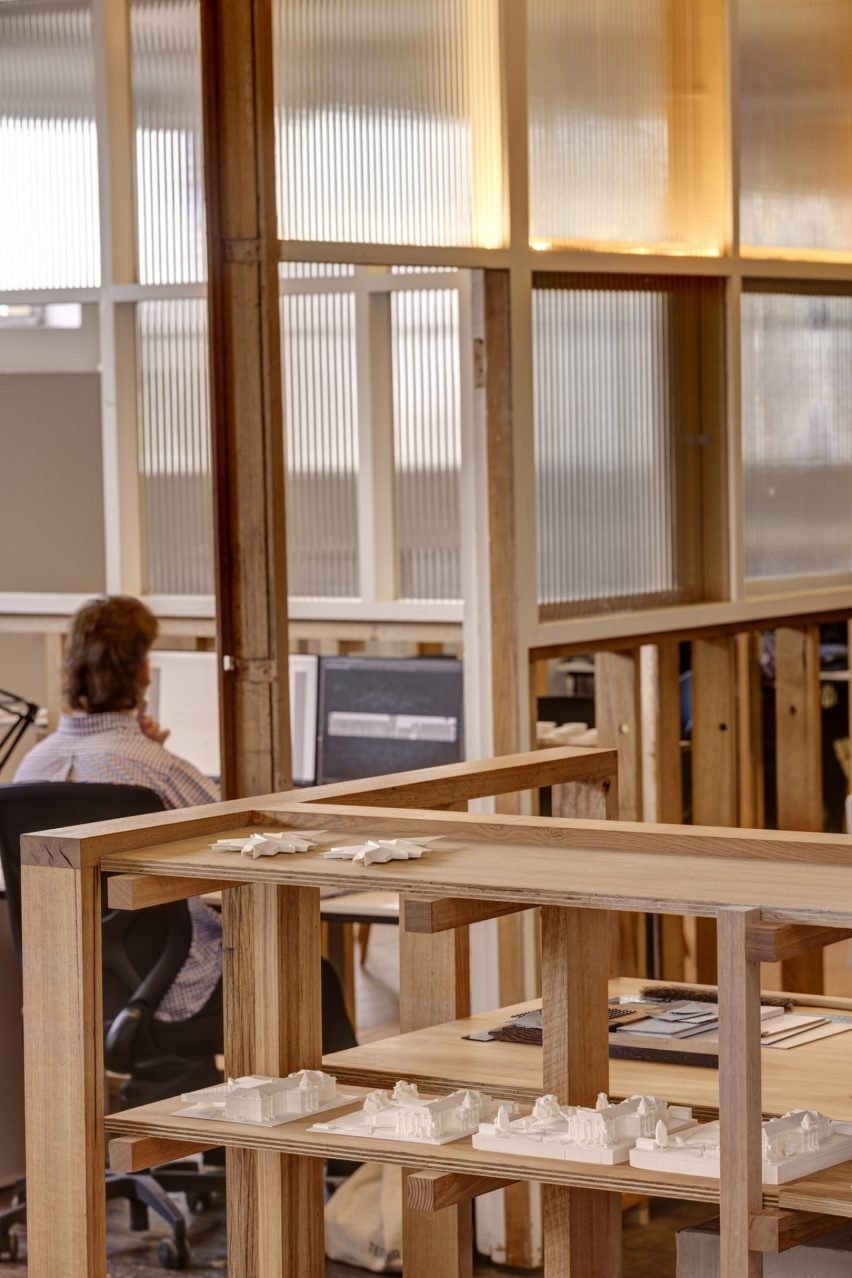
<point x="768" y="891"/>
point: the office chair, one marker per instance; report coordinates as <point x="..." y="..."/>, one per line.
<point x="142" y="953"/>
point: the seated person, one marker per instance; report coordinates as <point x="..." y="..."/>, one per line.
<point x="105" y="736"/>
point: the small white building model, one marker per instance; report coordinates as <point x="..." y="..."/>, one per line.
<point x="799" y="1143"/>
<point x="404" y="1114"/>
<point x="381" y="850"/>
<point x="265" y="1102"/>
<point x="603" y="1135"/>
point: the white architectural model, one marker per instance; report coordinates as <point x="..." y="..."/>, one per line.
<point x="381" y="850"/>
<point x="265" y="1102"/>
<point x="268" y="844"/>
<point x="802" y="1142"/>
<point x="604" y="1134"/>
<point x="406" y="1115"/>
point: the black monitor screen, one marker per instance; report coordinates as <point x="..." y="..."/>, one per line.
<point x="379" y="715"/>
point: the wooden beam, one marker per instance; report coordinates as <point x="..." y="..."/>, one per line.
<point x="741" y="1191"/>
<point x="778" y="942"/>
<point x="714" y="763"/>
<point x="798" y="745"/>
<point x="63" y="1054"/>
<point x="447" y="912"/>
<point x="432" y="1191"/>
<point x="140" y="891"/>
<point x="662" y="779"/>
<point x="138" y="1153"/>
<point x="237" y="51"/>
<point x="775" y="1230"/>
<point x="582" y="1228"/>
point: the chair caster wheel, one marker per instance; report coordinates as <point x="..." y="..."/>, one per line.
<point x="172" y="1254"/>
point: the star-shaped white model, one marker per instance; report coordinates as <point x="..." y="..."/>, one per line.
<point x="382" y="850"/>
<point x="268" y="844"/>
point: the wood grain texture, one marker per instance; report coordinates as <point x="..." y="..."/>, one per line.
<point x="776" y="1230"/>
<point x="271" y="975"/>
<point x="63" y="1051"/>
<point x="432" y="1191"/>
<point x="798" y="748"/>
<point x="582" y="1230"/>
<point x="739" y="1095"/>
<point x="138" y="1153"/>
<point x="752" y="806"/>
<point x="141" y="891"/>
<point x="662" y="779"/>
<point x="777" y="942"/>
<point x="446" y="913"/>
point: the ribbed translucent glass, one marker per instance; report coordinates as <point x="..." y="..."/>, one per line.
<point x="321" y="436"/>
<point x="605" y="466"/>
<point x="797" y="434"/>
<point x="427" y="442"/>
<point x="389" y="121"/>
<point x="49" y="218"/>
<point x="166" y="70"/>
<point x="796" y="123"/>
<point x="623" y="96"/>
<point x="174" y="447"/>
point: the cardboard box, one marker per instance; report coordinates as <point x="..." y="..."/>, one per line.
<point x="827" y="1257"/>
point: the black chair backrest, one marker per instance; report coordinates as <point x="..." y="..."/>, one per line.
<point x="50" y="805"/>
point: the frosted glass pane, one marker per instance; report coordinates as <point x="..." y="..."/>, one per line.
<point x="796" y="123"/>
<point x="166" y="68"/>
<point x="389" y="121"/>
<point x="427" y="442"/>
<point x="797" y="434"/>
<point x="321" y="435"/>
<point x="174" y="447"/>
<point x="604" y="421"/>
<point x="49" y="235"/>
<point x="621" y="113"/>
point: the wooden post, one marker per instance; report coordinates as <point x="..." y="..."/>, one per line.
<point x="582" y="1228"/>
<point x="752" y="808"/>
<point x="618" y="714"/>
<point x="714" y="763"/>
<point x="434" y="987"/>
<point x="273" y="1026"/>
<point x="798" y="733"/>
<point x="63" y="1053"/>
<point x="739" y="1095"/>
<point x="245" y="380"/>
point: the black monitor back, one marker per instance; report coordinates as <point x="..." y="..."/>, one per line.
<point x="380" y="715"/>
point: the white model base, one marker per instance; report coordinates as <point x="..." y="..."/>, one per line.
<point x="259" y="1101"/>
<point x="551" y="1138"/>
<point x="697" y="1154"/>
<point x="404" y="1115"/>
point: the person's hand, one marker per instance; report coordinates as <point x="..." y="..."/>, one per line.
<point x="151" y="728"/>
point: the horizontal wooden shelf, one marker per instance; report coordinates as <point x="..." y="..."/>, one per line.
<point x="440" y="1057"/>
<point x="613" y="866"/>
<point x="294" y="1138"/>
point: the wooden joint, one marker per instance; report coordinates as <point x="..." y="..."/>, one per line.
<point x="140" y="891"/>
<point x="775" y="1230"/>
<point x="777" y="942"/>
<point x="433" y="1191"/>
<point x="246" y="250"/>
<point x="442" y="914"/>
<point x="138" y="1153"/>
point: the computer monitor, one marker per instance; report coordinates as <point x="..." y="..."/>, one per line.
<point x="184" y="697"/>
<point x="379" y="715"/>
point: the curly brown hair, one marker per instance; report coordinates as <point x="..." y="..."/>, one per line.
<point x="108" y="643"/>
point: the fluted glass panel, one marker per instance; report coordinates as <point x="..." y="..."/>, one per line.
<point x="321" y="434"/>
<point x="606" y="480"/>
<point x="48" y="147"/>
<point x="624" y="96"/>
<point x="796" y="123"/>
<point x="797" y="434"/>
<point x="166" y="70"/>
<point x="389" y="121"/>
<point x="174" y="447"/>
<point x="427" y="442"/>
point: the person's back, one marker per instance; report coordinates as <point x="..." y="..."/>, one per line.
<point x="106" y="737"/>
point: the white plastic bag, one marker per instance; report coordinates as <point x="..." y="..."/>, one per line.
<point x="363" y="1220"/>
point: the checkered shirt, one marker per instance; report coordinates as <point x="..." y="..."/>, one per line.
<point x="112" y="748"/>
